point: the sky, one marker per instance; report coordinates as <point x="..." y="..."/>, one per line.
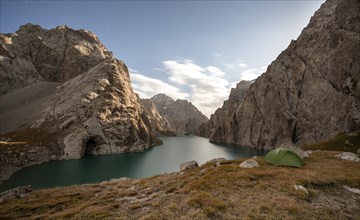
<point x="194" y="50"/>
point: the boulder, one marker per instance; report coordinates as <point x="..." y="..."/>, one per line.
<point x="353" y="190"/>
<point x="250" y="163"/>
<point x="188" y="165"/>
<point x="301" y="188"/>
<point x="216" y="160"/>
<point x="348" y="156"/>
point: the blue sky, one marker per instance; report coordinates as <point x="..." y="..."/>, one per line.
<point x="196" y="50"/>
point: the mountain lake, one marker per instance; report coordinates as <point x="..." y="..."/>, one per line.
<point x="161" y="159"/>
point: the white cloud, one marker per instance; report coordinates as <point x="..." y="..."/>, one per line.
<point x="147" y="87"/>
<point x="250" y="74"/>
<point x="216" y="71"/>
<point x="132" y="70"/>
<point x="241" y="64"/>
<point x="208" y="88"/>
<point x="205" y="86"/>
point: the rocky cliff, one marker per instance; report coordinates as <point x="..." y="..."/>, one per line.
<point x="65" y="82"/>
<point x="182" y="116"/>
<point x="310" y="92"/>
<point x="219" y="121"/>
<point x="158" y="123"/>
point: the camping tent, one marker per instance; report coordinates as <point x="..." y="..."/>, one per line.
<point x="283" y="157"/>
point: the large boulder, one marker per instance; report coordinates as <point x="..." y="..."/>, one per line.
<point x="250" y="163"/>
<point x="348" y="156"/>
<point x="188" y="165"/>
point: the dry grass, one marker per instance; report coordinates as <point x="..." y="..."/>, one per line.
<point x="208" y="192"/>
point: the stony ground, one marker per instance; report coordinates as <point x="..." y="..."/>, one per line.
<point x="208" y="192"/>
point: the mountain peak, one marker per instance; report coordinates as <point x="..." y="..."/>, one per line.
<point x="182" y="115"/>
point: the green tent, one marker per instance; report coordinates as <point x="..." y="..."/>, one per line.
<point x="283" y="157"/>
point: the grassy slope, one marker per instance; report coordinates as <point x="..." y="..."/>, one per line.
<point x="208" y="192"/>
<point x="342" y="142"/>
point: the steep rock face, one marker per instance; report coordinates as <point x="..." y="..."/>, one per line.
<point x="220" y="118"/>
<point x="87" y="100"/>
<point x="158" y="123"/>
<point x="34" y="54"/>
<point x="311" y="91"/>
<point x="183" y="117"/>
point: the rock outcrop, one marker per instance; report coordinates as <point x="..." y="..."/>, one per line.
<point x="219" y="121"/>
<point x="188" y="165"/>
<point x="182" y="116"/>
<point x="310" y="92"/>
<point x="18" y="192"/>
<point x="249" y="163"/>
<point x="34" y="54"/>
<point x="348" y="156"/>
<point x="158" y="123"/>
<point x="86" y="99"/>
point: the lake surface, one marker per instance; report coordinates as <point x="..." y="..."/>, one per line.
<point x="158" y="160"/>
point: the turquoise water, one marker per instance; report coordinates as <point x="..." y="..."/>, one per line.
<point x="158" y="160"/>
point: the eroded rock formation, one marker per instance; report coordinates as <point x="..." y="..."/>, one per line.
<point x="310" y="92"/>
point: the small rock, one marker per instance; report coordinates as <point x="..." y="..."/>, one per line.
<point x="119" y="179"/>
<point x="216" y="160"/>
<point x="354" y="190"/>
<point x="309" y="152"/>
<point x="250" y="163"/>
<point x="188" y="165"/>
<point x="254" y="157"/>
<point x="91" y="95"/>
<point x="18" y="192"/>
<point x="22" y="154"/>
<point x="53" y="157"/>
<point x="301" y="188"/>
<point x="348" y="156"/>
<point x="96" y="194"/>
